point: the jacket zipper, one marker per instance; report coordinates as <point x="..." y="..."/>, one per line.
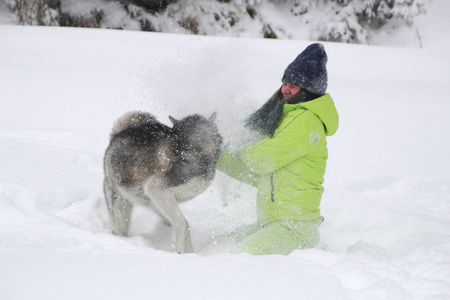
<point x="272" y="191"/>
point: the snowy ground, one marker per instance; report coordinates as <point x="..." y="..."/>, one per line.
<point x="387" y="199"/>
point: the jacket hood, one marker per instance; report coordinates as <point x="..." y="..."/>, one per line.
<point x="324" y="108"/>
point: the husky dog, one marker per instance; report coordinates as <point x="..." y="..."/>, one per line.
<point x="151" y="164"/>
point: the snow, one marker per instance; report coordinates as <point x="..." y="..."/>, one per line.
<point x="386" y="233"/>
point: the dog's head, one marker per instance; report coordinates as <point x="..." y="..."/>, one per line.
<point x="199" y="141"/>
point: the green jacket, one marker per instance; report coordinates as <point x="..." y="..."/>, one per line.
<point x="288" y="169"/>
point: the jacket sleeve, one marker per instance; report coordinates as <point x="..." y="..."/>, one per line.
<point x="231" y="165"/>
<point x="290" y="142"/>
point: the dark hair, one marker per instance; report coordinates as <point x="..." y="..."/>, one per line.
<point x="266" y="119"/>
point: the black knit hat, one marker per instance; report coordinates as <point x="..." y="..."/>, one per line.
<point x="309" y="70"/>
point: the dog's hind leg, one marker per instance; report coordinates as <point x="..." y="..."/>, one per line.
<point x="121" y="215"/>
<point x="167" y="206"/>
<point x="119" y="209"/>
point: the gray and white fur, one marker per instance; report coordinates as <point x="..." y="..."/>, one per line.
<point x="148" y="163"/>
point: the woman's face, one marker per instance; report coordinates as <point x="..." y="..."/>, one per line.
<point x="289" y="90"/>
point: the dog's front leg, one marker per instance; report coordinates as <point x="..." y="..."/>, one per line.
<point x="166" y="205"/>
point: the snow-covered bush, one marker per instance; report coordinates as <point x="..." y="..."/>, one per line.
<point x="204" y="17"/>
<point x="35" y="12"/>
<point x="349" y="21"/>
<point x="353" y="21"/>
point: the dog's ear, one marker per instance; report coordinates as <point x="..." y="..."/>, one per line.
<point x="213" y="117"/>
<point x="173" y="120"/>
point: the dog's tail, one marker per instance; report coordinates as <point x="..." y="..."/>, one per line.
<point x="130" y="119"/>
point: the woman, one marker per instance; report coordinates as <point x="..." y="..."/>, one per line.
<point x="288" y="165"/>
